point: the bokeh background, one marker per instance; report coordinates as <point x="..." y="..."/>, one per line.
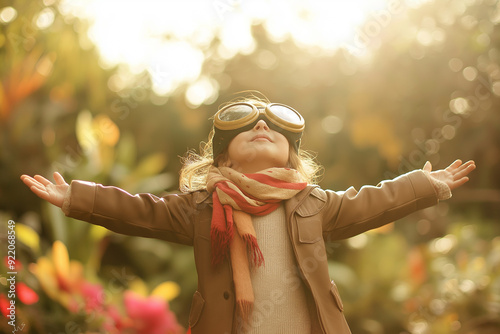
<point x="116" y="92"/>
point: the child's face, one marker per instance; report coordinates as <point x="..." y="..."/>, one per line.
<point x="257" y="149"/>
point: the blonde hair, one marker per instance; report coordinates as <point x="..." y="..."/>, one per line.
<point x="193" y="174"/>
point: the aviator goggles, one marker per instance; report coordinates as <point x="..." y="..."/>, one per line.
<point x="242" y="116"/>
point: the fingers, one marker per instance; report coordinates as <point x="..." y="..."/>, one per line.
<point x="454" y="165"/>
<point x="25" y="178"/>
<point x="38" y="182"/>
<point x="461" y="181"/>
<point x="459" y="172"/>
<point x="470" y="163"/>
<point x="42" y="180"/>
<point x="59" y="179"/>
<point x="35" y="186"/>
<point x="464" y="170"/>
<point x="458" y="183"/>
<point x="40" y="192"/>
<point x="457" y="167"/>
<point x="30" y="182"/>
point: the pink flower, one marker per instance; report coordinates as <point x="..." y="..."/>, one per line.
<point x="150" y="315"/>
<point x="25" y="294"/>
<point x="4" y="305"/>
<point x="114" y="322"/>
<point x="93" y="295"/>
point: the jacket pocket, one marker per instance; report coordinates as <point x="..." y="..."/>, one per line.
<point x="335" y="293"/>
<point x="196" y="309"/>
<point x="310" y="230"/>
<point x="309" y="224"/>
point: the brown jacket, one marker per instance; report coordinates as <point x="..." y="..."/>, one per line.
<point x="313" y="216"/>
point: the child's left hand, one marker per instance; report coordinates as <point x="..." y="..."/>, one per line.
<point x="454" y="175"/>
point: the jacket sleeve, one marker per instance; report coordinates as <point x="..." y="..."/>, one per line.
<point x="352" y="212"/>
<point x="169" y="218"/>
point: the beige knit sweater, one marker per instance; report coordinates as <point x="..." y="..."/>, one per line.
<point x="280" y="300"/>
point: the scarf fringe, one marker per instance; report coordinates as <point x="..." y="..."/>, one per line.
<point x="253" y="246"/>
<point x="220" y="244"/>
<point x="222" y="230"/>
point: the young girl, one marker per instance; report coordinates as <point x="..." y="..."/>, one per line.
<point x="257" y="223"/>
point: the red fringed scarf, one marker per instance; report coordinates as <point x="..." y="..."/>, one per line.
<point x="236" y="196"/>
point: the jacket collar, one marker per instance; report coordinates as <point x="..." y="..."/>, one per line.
<point x="293" y="203"/>
<point x="203" y="196"/>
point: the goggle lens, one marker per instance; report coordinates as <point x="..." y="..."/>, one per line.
<point x="286" y="114"/>
<point x="235" y="112"/>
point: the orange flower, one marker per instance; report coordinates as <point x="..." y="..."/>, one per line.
<point x="61" y="279"/>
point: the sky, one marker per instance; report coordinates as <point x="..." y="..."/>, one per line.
<point x="167" y="38"/>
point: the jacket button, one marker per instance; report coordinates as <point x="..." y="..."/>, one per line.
<point x="226" y="295"/>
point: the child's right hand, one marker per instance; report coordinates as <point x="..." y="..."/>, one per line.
<point x="43" y="188"/>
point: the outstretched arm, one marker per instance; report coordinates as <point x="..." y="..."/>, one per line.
<point x="353" y="212"/>
<point x="43" y="188"/>
<point x="169" y="218"/>
<point x="454" y="175"/>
